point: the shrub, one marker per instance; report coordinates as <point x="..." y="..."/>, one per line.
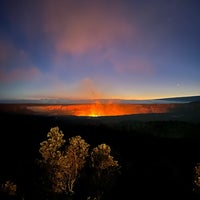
<point x="9" y="188"/>
<point x="197" y="178"/>
<point x="63" y="163"/>
<point x="105" y="169"/>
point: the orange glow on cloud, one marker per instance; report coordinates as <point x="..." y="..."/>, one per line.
<point x="81" y="28"/>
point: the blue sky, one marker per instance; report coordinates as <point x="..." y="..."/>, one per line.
<point x="140" y="49"/>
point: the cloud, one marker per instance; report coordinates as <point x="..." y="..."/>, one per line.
<point x="88" y="88"/>
<point x="77" y="27"/>
<point x="15" y="64"/>
<point x="9" y="54"/>
<point x="125" y="62"/>
<point x="20" y="74"/>
<point x="89" y="35"/>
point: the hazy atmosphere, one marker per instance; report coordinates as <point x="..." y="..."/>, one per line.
<point x="99" y="99"/>
<point x="99" y="49"/>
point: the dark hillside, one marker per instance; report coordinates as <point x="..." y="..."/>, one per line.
<point x="157" y="157"/>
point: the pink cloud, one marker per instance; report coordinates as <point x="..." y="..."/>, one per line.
<point x="74" y="26"/>
<point x="15" y="64"/>
<point x="125" y="63"/>
<point x="20" y="74"/>
<point x="9" y="53"/>
<point x="77" y="28"/>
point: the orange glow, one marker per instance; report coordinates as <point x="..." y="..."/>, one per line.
<point x="98" y="109"/>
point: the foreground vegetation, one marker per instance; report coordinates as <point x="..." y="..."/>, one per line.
<point x="155" y="158"/>
<point x="63" y="165"/>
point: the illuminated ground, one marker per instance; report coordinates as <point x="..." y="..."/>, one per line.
<point x="98" y="109"/>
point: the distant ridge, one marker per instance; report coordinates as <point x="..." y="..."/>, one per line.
<point x="186" y="99"/>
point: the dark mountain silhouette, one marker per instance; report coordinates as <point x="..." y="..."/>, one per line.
<point x="186" y="99"/>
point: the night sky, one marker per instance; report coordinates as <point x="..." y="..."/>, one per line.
<point x="127" y="49"/>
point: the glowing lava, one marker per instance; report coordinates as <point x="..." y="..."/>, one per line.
<point x="98" y="109"/>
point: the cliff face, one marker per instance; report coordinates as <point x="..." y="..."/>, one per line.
<point x="15" y="108"/>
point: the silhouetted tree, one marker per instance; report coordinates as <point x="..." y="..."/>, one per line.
<point x="51" y="154"/>
<point x="74" y="159"/>
<point x="105" y="168"/>
<point x="63" y="163"/>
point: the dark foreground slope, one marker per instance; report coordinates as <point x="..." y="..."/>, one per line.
<point x="157" y="157"/>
